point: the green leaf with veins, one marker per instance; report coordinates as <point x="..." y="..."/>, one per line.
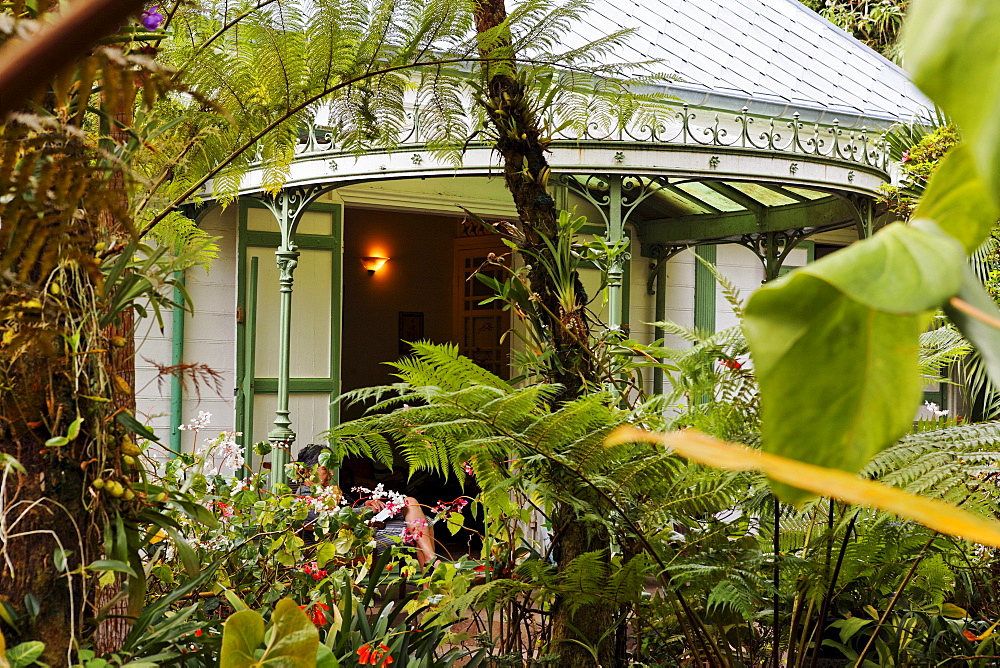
<point x="242" y="634"/>
<point x="835" y="346"/>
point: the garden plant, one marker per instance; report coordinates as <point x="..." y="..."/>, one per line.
<point x="766" y="511"/>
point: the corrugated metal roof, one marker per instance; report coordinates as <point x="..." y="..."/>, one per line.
<point x="774" y="56"/>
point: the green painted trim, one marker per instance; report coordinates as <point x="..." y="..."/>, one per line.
<point x="247" y="296"/>
<point x="176" y="358"/>
<point x="250" y="360"/>
<point x="336" y="313"/>
<point x="261" y="239"/>
<point x="318" y="207"/>
<point x="627" y="286"/>
<point x="810" y="247"/>
<point x="242" y="398"/>
<point x="685" y="229"/>
<point x="704" y="289"/>
<point x="295" y="385"/>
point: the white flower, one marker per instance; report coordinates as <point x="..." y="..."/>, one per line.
<point x="203" y="420"/>
<point x="325" y="499"/>
<point x="394" y="501"/>
<point x="935" y="409"/>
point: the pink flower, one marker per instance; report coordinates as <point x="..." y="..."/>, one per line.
<point x="467" y="466"/>
<point x="414" y="531"/>
<point x="455" y="506"/>
<point x="224" y="509"/>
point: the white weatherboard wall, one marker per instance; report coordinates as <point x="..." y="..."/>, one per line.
<point x="210" y="338"/>
<point x="745" y="270"/>
<point x="152" y="391"/>
<point x="210" y="333"/>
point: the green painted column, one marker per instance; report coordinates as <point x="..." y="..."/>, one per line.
<point x="661" y="315"/>
<point x="704" y="289"/>
<point x="288" y="207"/>
<point x="249" y="358"/>
<point x="866" y="217"/>
<point x="282" y="436"/>
<point x="615" y="232"/>
<point x="177" y="358"/>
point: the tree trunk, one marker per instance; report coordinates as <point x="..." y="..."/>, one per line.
<point x="578" y="635"/>
<point x="111" y="631"/>
<point x="46" y="507"/>
<point x="521" y="143"/>
<point x="54" y="368"/>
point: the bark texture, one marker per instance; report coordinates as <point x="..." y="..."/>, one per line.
<point x="521" y="142"/>
<point x="45" y="507"/>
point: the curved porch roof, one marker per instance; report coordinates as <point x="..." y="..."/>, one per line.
<point x="771" y="94"/>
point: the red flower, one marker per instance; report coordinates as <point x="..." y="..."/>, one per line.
<point x="374" y="656"/>
<point x="312" y="568"/>
<point x="732" y="364"/>
<point x="969" y="635"/>
<point x="316" y="613"/>
<point x="197" y="632"/>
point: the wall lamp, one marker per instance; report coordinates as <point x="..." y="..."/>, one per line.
<point x="373" y="264"/>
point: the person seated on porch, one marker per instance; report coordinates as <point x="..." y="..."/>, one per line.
<point x="408" y="523"/>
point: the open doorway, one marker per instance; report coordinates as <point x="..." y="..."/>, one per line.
<point x="424" y="291"/>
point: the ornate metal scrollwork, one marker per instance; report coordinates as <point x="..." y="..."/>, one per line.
<point x="287" y="261"/>
<point x="671" y="125"/>
<point x="772" y="248"/>
<point x="288" y="205"/>
<point x="660" y="253"/>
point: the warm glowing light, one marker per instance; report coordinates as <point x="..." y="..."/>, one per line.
<point x="373" y="264"/>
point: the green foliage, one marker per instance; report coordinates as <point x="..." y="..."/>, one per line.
<point x="519" y="446"/>
<point x="293" y="640"/>
<point x="357" y="74"/>
<point x="919" y="152"/>
<point x="21" y="655"/>
<point x="959" y="199"/>
<point x="820" y="418"/>
<point x="877" y="24"/>
<point x="954" y="62"/>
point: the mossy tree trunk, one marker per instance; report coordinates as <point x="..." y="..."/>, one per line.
<point x="521" y="142"/>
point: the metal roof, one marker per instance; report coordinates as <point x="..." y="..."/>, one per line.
<point x="774" y="56"/>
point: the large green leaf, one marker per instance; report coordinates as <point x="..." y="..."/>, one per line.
<point x="958" y="201"/>
<point x="25" y="653"/>
<point x="953" y="53"/>
<point x="835" y="347"/>
<point x="294" y="640"/>
<point x="243" y="633"/>
<point x="903" y="269"/>
<point x="325" y="658"/>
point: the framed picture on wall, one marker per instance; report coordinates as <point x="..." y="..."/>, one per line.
<point x="411" y="328"/>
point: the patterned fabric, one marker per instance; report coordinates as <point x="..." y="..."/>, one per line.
<point x="388" y="536"/>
